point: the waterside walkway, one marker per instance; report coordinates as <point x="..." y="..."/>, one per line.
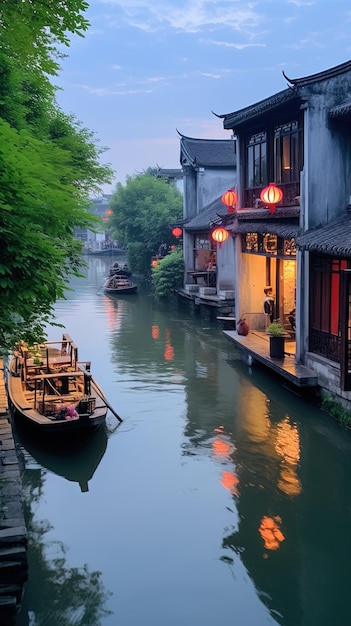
<point x="255" y="347"/>
<point x="13" y="532"/>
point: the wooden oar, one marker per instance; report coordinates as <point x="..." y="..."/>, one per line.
<point x="103" y="397"/>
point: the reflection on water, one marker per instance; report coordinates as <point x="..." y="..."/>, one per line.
<point x="76" y="460"/>
<point x="221" y="498"/>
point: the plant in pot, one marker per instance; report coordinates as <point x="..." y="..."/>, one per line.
<point x="277" y="336"/>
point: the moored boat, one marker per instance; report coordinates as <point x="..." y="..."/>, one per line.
<point x="119" y="284"/>
<point x="50" y="389"/>
<point x="121" y="269"/>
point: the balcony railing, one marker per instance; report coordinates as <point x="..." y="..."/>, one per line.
<point x="291" y="196"/>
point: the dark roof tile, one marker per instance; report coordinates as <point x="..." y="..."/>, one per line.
<point x="207" y="152"/>
<point x="332" y="239"/>
<point x="212" y="214"/>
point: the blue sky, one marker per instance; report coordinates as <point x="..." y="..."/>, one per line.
<point x="149" y="67"/>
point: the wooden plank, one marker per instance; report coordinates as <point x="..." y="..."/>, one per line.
<point x="256" y="345"/>
<point x="226" y="318"/>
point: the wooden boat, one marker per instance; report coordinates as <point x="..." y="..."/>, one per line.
<point x="50" y="389"/>
<point x="119" y="284"/>
<point x="122" y="270"/>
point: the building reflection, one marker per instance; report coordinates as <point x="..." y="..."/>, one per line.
<point x="270" y="531"/>
<point x="258" y="452"/>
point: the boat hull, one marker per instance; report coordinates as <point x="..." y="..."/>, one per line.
<point x="33" y="395"/>
<point x="120" y="290"/>
<point x="119" y="284"/>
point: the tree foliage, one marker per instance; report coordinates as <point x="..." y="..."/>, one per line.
<point x="49" y="165"/>
<point x="168" y="275"/>
<point x="143" y="211"/>
<point x="33" y="30"/>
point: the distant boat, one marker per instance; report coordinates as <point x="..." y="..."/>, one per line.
<point x="122" y="270"/>
<point x="54" y="392"/>
<point x="106" y="250"/>
<point x="102" y="248"/>
<point x="119" y="284"/>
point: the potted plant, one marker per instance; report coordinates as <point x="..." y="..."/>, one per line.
<point x="277" y="336"/>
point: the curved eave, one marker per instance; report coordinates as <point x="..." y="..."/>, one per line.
<point x="269" y="105"/>
<point x="315" y="78"/>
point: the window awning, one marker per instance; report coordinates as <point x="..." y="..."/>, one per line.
<point x="333" y="239"/>
<point x="287" y="231"/>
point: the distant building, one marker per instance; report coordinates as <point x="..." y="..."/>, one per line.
<point x="300" y="139"/>
<point x="209" y="170"/>
<point x="100" y="207"/>
<point x="172" y="176"/>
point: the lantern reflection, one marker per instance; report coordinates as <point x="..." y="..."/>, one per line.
<point x="169" y="350"/>
<point x="270" y="532"/>
<point x="155" y="331"/>
<point x="222" y="449"/>
<point x="230" y="482"/>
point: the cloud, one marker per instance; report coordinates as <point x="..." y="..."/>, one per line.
<point x="111" y="91"/>
<point x="301" y="3"/>
<point x="191" y="17"/>
<point x="237" y="46"/>
<point x="306" y="42"/>
<point x="208" y="75"/>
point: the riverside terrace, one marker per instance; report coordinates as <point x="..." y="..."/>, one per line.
<point x="254" y="347"/>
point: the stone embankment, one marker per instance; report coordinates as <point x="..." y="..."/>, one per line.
<point x="13" y="532"/>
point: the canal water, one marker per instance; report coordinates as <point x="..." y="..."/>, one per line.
<point x="222" y="498"/>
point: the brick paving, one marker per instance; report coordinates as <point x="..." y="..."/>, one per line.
<point x="13" y="532"/>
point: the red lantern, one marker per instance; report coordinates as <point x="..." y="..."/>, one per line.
<point x="229" y="198"/>
<point x="107" y="215"/>
<point x="271" y="195"/>
<point x="176" y="232"/>
<point x="220" y="235"/>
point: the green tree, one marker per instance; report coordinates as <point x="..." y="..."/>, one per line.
<point x="49" y="165"/>
<point x="168" y="275"/>
<point x="34" y="31"/>
<point x="143" y="211"/>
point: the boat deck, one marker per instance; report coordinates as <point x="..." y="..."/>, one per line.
<point x="255" y="347"/>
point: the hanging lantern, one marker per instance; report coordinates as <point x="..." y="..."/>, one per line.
<point x="229" y="198"/>
<point x="176" y="232"/>
<point x="271" y="195"/>
<point x="220" y="235"/>
<point x="107" y="215"/>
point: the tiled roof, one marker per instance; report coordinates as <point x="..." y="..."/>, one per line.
<point x="294" y="92"/>
<point x="341" y="110"/>
<point x="232" y="120"/>
<point x="169" y="173"/>
<point x="285" y="230"/>
<point x="213" y="213"/>
<point x="207" y="152"/>
<point x="332" y="239"/>
<point x="315" y="78"/>
<point x="255" y="215"/>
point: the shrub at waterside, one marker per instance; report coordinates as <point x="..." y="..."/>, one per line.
<point x="169" y="273"/>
